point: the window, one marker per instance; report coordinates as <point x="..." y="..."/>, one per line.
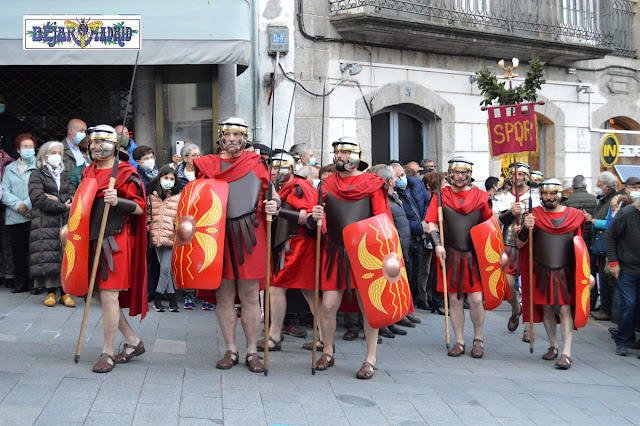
<point x="398" y="133"/>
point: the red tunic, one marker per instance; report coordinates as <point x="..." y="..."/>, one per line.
<point x="574" y="224"/>
<point x="352" y="188"/>
<point x="254" y="265"/>
<point x="130" y="260"/>
<point x="300" y="262"/>
<point x="462" y="202"/>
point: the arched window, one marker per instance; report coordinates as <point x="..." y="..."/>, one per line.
<point x="399" y="133"/>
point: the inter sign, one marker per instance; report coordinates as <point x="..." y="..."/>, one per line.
<point x="609" y="150"/>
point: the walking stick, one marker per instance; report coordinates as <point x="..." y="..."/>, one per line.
<point x="316" y="295"/>
<point x="103" y="225"/>
<point x="530" y="246"/>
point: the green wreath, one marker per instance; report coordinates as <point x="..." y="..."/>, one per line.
<point x="498" y="94"/>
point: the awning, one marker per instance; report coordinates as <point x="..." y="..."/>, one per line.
<point x="176" y="33"/>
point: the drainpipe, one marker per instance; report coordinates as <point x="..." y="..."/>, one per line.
<point x="257" y="130"/>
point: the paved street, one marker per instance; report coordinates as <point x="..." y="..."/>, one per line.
<point x="176" y="382"/>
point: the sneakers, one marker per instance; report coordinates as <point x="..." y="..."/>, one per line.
<point x="173" y="303"/>
<point x="50" y="300"/>
<point x="206" y="306"/>
<point x="157" y="303"/>
<point x="291" y="329"/>
<point x="188" y="302"/>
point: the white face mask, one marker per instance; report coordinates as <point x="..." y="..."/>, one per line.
<point x="148" y="164"/>
<point x="598" y="191"/>
<point x="54" y="160"/>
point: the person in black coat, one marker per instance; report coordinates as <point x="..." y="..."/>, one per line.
<point x="51" y="193"/>
<point x="10" y="129"/>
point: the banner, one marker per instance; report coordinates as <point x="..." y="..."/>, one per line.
<point x="511" y="128"/>
<point x="119" y="32"/>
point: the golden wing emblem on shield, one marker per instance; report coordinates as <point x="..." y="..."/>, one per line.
<point x="367" y="260"/>
<point x="75" y="218"/>
<point x="492" y="255"/>
<point x="213" y="215"/>
<point x="70" y="254"/>
<point x="586" y="293"/>
<point x="375" y="293"/>
<point x="210" y="248"/>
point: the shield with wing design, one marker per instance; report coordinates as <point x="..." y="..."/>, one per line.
<point x="375" y="255"/>
<point x="75" y="260"/>
<point x="488" y="243"/>
<point x="583" y="275"/>
<point x="198" y="250"/>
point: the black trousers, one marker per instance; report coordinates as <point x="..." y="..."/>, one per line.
<point x="19" y="237"/>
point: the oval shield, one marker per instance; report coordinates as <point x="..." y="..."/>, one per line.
<point x="583" y="273"/>
<point x="375" y="255"/>
<point x="487" y="241"/>
<point x="198" y="250"/>
<point x="75" y="260"/>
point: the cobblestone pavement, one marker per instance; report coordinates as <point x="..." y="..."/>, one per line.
<point x="176" y="382"/>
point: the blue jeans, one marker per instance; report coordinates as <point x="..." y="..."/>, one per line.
<point x="629" y="289"/>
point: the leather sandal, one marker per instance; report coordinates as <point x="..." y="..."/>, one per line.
<point x="526" y="336"/>
<point x="277" y="346"/>
<point x="319" y="346"/>
<point x="325" y="362"/>
<point x="564" y="363"/>
<point x="514" y="321"/>
<point x="457" y="350"/>
<point x="229" y="360"/>
<point x="478" y="348"/>
<point x="552" y="353"/>
<point x="103" y="365"/>
<point x="254" y="364"/>
<point x="366" y="371"/>
<point x="123" y="357"/>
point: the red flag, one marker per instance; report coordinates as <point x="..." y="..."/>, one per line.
<point x="511" y="128"/>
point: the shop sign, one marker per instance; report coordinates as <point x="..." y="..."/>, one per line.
<point x="108" y="32"/>
<point x="609" y="150"/>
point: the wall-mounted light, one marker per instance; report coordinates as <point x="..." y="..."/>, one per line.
<point x="584" y="89"/>
<point x="473" y="78"/>
<point x="353" y="69"/>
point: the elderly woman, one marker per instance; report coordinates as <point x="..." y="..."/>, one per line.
<point x="186" y="170"/>
<point x="50" y="191"/>
<point x="15" y="195"/>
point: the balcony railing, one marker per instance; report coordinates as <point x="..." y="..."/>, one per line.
<point x="605" y="23"/>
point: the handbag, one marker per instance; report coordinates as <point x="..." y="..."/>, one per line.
<point x="597" y="246"/>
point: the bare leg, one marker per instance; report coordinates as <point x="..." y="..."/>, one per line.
<point x="309" y="296"/>
<point x="226" y="312"/>
<point x="456" y="313"/>
<point x="249" y="293"/>
<point x="477" y="313"/>
<point x="566" y="327"/>
<point x="515" y="304"/>
<point x="110" y="318"/>
<point x="278" y="309"/>
<point x="549" y="320"/>
<point x="370" y="333"/>
<point x="330" y="304"/>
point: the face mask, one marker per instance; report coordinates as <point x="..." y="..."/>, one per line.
<point x="167" y="184"/>
<point x="402" y="182"/>
<point x="28" y="154"/>
<point x="123" y="140"/>
<point x="598" y="191"/>
<point x="78" y="137"/>
<point x="635" y="194"/>
<point x="316" y="182"/>
<point x="2" y="107"/>
<point x="312" y="161"/>
<point x="148" y="164"/>
<point x="54" y="160"/>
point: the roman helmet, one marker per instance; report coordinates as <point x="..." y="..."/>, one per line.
<point x="108" y="140"/>
<point x="233" y="124"/>
<point x="348" y="143"/>
<point x="551" y="185"/>
<point x="536" y="178"/>
<point x="520" y="167"/>
<point x="282" y="161"/>
<point x="460" y="163"/>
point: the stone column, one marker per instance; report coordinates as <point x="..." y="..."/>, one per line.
<point x="144" y="107"/>
<point x="227" y="91"/>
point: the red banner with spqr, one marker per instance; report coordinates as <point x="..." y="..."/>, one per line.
<point x="511" y="127"/>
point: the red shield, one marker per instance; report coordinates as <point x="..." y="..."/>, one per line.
<point x="487" y="241"/>
<point x="376" y="259"/>
<point x="76" y="262"/>
<point x="198" y="250"/>
<point x="583" y="273"/>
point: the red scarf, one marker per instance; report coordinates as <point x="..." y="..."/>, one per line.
<point x="210" y="166"/>
<point x="474" y="200"/>
<point x="365" y="184"/>
<point x="308" y="191"/>
<point x="136" y="298"/>
<point x="574" y="219"/>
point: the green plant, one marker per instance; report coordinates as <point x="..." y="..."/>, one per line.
<point x="495" y="93"/>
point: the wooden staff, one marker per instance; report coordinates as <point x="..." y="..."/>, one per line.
<point x="445" y="284"/>
<point x="103" y="224"/>
<point x="531" y="242"/>
<point x="316" y="295"/>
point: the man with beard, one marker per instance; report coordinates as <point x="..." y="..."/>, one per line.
<point x="349" y="196"/>
<point x="509" y="208"/>
<point x="125" y="244"/>
<point x="463" y="208"/>
<point x="554" y="227"/>
<point x="293" y="244"/>
<point x="244" y="263"/>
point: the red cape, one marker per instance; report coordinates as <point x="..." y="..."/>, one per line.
<point x="209" y="166"/>
<point x="475" y="199"/>
<point x="308" y="192"/>
<point x="574" y="220"/>
<point x="136" y="297"/>
<point x="366" y="184"/>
